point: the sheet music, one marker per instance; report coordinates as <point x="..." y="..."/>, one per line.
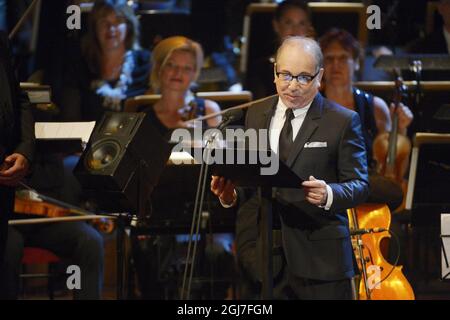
<point x="64" y="130"/>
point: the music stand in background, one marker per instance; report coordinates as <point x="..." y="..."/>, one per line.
<point x="429" y="174"/>
<point x="427" y="196"/>
<point x="410" y="61"/>
<point x="415" y="63"/>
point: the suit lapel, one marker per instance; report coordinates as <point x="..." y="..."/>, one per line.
<point x="267" y="118"/>
<point x="307" y="129"/>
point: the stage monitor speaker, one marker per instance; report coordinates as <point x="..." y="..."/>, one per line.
<point x="122" y="161"/>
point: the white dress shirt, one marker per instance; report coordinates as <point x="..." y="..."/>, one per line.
<point x="276" y="125"/>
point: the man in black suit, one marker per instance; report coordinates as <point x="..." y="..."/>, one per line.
<point x="75" y="240"/>
<point x="323" y="144"/>
<point x="16" y="138"/>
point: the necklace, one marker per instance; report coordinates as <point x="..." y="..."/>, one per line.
<point x="113" y="96"/>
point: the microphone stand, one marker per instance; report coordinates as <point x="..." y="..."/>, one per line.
<point x="22" y="19"/>
<point x="362" y="260"/>
<point x="197" y="214"/>
<point x="416" y="68"/>
<point x="238" y="107"/>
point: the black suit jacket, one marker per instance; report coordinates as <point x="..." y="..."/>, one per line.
<point x="16" y="119"/>
<point x="316" y="242"/>
<point x="16" y="130"/>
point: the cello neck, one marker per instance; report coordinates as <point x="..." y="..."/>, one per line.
<point x="392" y="149"/>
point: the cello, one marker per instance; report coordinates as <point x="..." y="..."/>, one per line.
<point x="380" y="279"/>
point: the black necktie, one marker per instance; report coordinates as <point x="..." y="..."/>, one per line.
<point x="286" y="138"/>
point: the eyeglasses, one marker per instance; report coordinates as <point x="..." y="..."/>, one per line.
<point x="302" y="79"/>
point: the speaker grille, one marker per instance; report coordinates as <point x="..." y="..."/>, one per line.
<point x="103" y="154"/>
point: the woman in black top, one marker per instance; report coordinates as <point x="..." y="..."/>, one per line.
<point x="110" y="68"/>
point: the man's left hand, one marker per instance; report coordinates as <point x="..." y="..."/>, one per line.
<point x="13" y="169"/>
<point x="315" y="191"/>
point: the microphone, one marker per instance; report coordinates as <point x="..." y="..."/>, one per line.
<point x="230" y="116"/>
<point x="357" y="232"/>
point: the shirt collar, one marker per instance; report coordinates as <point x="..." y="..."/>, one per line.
<point x="297" y="111"/>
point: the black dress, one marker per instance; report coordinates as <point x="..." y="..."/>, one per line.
<point x="199" y="111"/>
<point x="81" y="102"/>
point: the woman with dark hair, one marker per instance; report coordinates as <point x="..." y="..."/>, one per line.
<point x="291" y="18"/>
<point x="111" y="66"/>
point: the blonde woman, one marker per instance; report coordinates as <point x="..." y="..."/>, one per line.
<point x="177" y="62"/>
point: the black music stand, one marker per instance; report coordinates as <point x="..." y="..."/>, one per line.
<point x="429" y="161"/>
<point x="249" y="175"/>
<point x="59" y="145"/>
<point x="412" y="61"/>
<point x="415" y="63"/>
<point x="428" y="181"/>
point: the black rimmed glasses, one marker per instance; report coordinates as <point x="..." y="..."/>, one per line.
<point x="302" y="79"/>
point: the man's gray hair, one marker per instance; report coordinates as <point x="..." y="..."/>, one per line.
<point x="307" y="44"/>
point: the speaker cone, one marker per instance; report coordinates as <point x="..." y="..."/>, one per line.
<point x="102" y="154"/>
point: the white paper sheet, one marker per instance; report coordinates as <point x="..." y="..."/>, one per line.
<point x="64" y="130"/>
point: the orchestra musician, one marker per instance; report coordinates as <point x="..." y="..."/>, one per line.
<point x="16" y="142"/>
